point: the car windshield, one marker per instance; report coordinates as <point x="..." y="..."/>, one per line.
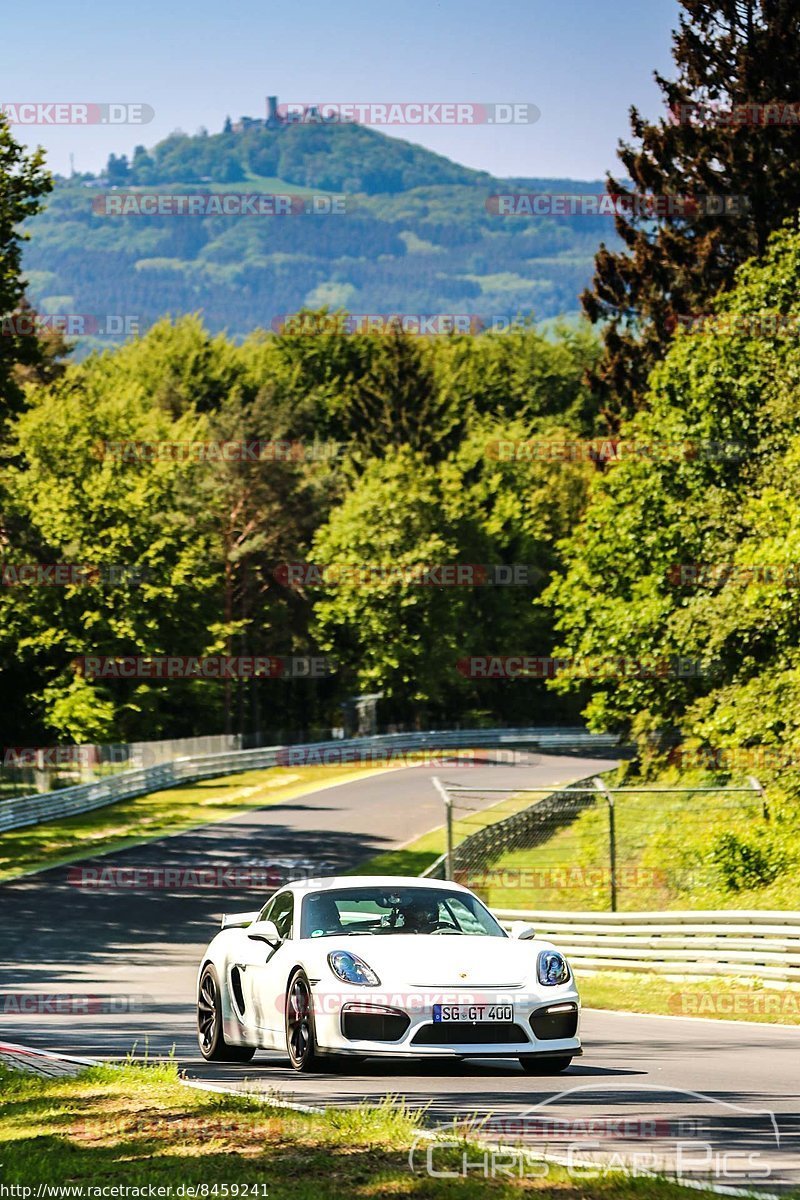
<point x="385" y="910"/>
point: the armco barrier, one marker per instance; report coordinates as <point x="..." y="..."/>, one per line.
<point x="762" y="944"/>
<point x="19" y="811"/>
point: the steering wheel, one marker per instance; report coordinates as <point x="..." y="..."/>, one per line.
<point x="445" y="927"/>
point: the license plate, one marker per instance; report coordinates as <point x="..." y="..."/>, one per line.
<point x="472" y="1013"/>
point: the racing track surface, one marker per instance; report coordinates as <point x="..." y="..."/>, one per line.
<point x="710" y="1086"/>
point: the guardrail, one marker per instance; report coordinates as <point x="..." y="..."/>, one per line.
<point x="20" y="811"/>
<point x="765" y="943"/>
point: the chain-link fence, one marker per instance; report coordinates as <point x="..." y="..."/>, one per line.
<point x="595" y="846"/>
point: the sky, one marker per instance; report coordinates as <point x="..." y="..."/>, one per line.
<point x="581" y="63"/>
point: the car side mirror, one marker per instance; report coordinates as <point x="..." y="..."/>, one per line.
<point x="522" y="931"/>
<point x="265" y="931"/>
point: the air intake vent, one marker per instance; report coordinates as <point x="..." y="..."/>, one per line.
<point x="359" y="1025"/>
<point x="555" y="1021"/>
<point x="236" y="986"/>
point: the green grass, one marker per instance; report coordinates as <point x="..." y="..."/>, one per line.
<point x="144" y="818"/>
<point x="720" y="999"/>
<point x="723" y="999"/>
<point x="412" y="859"/>
<point x="137" y="1126"/>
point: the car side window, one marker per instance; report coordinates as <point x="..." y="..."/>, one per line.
<point x="266" y="912"/>
<point x="282" y="914"/>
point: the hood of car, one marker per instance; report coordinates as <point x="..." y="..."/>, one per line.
<point x="421" y="960"/>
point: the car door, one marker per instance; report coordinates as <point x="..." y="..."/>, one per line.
<point x="265" y="972"/>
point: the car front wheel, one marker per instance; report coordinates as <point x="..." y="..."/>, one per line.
<point x="301" y="1041"/>
<point x="210" y="1037"/>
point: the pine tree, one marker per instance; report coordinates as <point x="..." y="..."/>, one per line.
<point x="23" y="183"/>
<point x="736" y="161"/>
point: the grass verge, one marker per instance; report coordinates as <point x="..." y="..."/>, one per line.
<point x="175" y="810"/>
<point x="138" y="1127"/>
<point x="723" y="999"/>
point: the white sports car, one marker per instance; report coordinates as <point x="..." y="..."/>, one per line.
<point x="365" y="966"/>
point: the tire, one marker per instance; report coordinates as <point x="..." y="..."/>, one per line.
<point x="538" y="1065"/>
<point x="210" y="1036"/>
<point x="301" y="1038"/>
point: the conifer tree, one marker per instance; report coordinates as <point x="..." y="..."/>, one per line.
<point x="723" y="168"/>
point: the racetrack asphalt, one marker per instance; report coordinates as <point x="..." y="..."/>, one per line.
<point x="721" y="1099"/>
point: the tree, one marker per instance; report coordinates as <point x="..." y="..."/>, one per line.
<point x="388" y="633"/>
<point x="117" y="169"/>
<point x="76" y="495"/>
<point x="687" y="553"/>
<point x="23" y="183"/>
<point x="142" y="166"/>
<point x="729" y="53"/>
<point x="394" y="619"/>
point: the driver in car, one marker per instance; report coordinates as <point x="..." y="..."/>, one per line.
<point x="420" y="916"/>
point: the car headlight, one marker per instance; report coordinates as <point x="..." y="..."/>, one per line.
<point x="352" y="969"/>
<point x="552" y="968"/>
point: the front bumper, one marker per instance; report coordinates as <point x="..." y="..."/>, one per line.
<point x="346" y="1023"/>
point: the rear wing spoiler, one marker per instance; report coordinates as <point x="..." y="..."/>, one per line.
<point x="239" y="920"/>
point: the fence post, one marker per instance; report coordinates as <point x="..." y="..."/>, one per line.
<point x="759" y="787"/>
<point x="448" y="813"/>
<point x="601" y="786"/>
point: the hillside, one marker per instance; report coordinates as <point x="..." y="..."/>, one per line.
<point x="416" y="237"/>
